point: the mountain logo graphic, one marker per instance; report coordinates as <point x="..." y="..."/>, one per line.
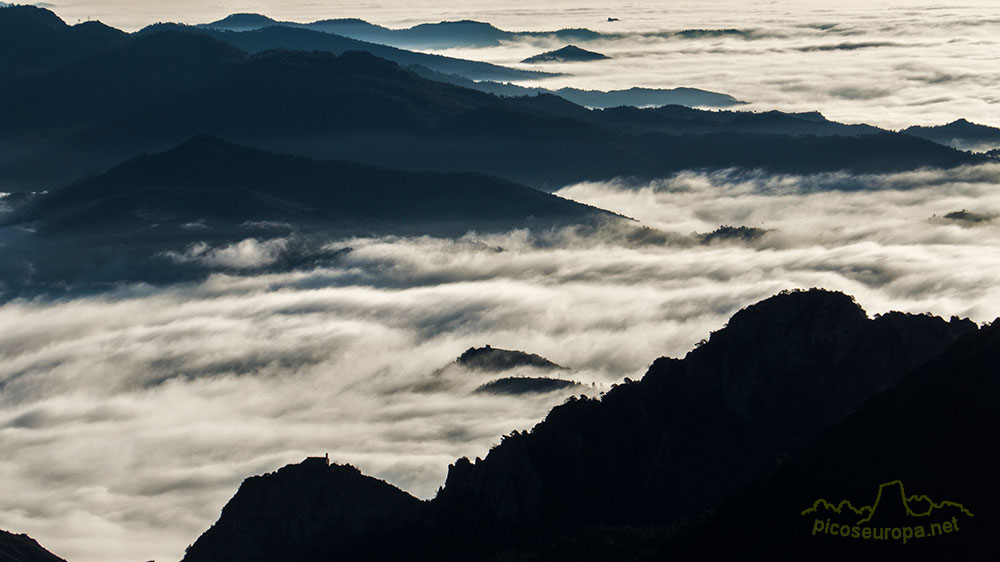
<point x="893" y="515"/>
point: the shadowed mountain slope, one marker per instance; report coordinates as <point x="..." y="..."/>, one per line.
<point x="655" y="453"/>
<point x="935" y="433"/>
<point x="960" y="134"/>
<point x="212" y="180"/>
<point x="34" y="40"/>
<point x="160" y="218"/>
<point x="22" y="548"/>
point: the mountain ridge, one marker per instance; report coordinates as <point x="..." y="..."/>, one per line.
<point x="22" y="548"/>
<point x="531" y="489"/>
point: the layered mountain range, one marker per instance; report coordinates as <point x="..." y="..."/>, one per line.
<point x="77" y="100"/>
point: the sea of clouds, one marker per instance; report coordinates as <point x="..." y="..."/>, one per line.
<point x="129" y="417"/>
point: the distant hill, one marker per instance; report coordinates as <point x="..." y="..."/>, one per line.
<point x="494" y="359"/>
<point x="254" y="39"/>
<point x="526" y="385"/>
<point x="125" y="224"/>
<point x="212" y="180"/>
<point x="464" y="33"/>
<point x="617" y="478"/>
<point x="569" y="53"/>
<point x="960" y="134"/>
<point x="638" y="97"/>
<point x="22" y="548"/>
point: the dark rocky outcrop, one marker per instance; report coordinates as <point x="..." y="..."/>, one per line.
<point x="526" y="385"/>
<point x="737" y="233"/>
<point x="602" y="478"/>
<point x="488" y="358"/>
<point x="968" y="217"/>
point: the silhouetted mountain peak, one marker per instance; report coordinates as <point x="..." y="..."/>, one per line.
<point x="327" y="508"/>
<point x="783" y="318"/>
<point x="457" y="25"/>
<point x="569" y="53"/>
<point x="28" y="19"/>
<point x="960" y="133"/>
<point x="22" y="548"/>
<point x="242" y="20"/>
<point x="493" y="359"/>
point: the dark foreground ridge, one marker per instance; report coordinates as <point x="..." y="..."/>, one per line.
<point x="618" y="478"/>
<point x="22" y="548"/>
<point x="934" y="433"/>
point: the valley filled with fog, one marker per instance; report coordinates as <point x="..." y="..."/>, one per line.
<point x="160" y="341"/>
<point x="134" y="413"/>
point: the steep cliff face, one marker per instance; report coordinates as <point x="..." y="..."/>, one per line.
<point x="935" y="432"/>
<point x="648" y="455"/>
<point x="306" y="511"/>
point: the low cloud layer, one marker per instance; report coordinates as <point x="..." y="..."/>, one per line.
<point x="128" y="419"/>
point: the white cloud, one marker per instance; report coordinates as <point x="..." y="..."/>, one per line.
<point x="246" y="254"/>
